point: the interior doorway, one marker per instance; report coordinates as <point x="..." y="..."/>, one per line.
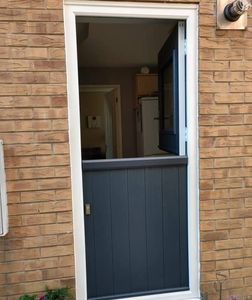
<point x="101" y="131"/>
<point x="142" y="11"/>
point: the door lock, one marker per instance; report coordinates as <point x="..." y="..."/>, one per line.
<point x="87" y="209"/>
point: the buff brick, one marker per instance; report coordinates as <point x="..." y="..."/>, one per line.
<point x="23" y="254"/>
<point x="66" y="260"/>
<point x="56" y="206"/>
<point x="234" y="54"/>
<point x="13" y="14"/>
<point x="42" y="172"/>
<point x="214" y="152"/>
<point x="48" y="65"/>
<point x="229" y="244"/>
<point x="37" y="196"/>
<point x="229" y="98"/>
<point x="207" y="32"/>
<point x="207" y="205"/>
<point x="241" y="213"/>
<point x="16" y="162"/>
<point x="4" y="27"/>
<point x="206" y="184"/>
<point x="228" y="183"/>
<point x="248" y="97"/>
<point x="229" y="264"/>
<point x="214" y="194"/>
<point x="65" y="239"/>
<point x="229" y="224"/>
<point x="240" y="192"/>
<point x="4" y="52"/>
<point x="213" y="65"/>
<point x="63" y="194"/>
<point x="58" y="183"/>
<point x="228" y="162"/>
<point x="226" y="203"/>
<point x="207" y="98"/>
<point x="240" y="87"/>
<point x="50" y="113"/>
<point x="61" y="148"/>
<point x="214" y="236"/>
<point x="248" y="54"/>
<point x="213" y="173"/>
<point x="241" y="65"/>
<point x="228" y="141"/>
<point x="6" y="126"/>
<point x="214" y="215"/>
<point x="214" y="109"/>
<point x="60" y="124"/>
<point x="207" y="20"/>
<point x="64" y="217"/>
<point x="6" y="114"/>
<point x="41" y="241"/>
<point x="41" y="263"/>
<point x="57" y="77"/>
<point x="51" y="137"/>
<point x="29" y="53"/>
<point x="214" y="87"/>
<point x="214" y="131"/>
<point x="58" y="101"/>
<point x="240" y="151"/>
<point x="40" y="89"/>
<point x="247" y="140"/>
<point x="55" y="4"/>
<point x="45" y="15"/>
<point x="32" y="149"/>
<point x="56" y="160"/>
<point x="21" y="101"/>
<point x="248" y="202"/>
<point x="228" y="76"/>
<point x="56" y="53"/>
<point x="56" y="251"/>
<point x="33" y="125"/>
<point x="206" y="76"/>
<point x="9" y="89"/>
<point x="38" y="219"/>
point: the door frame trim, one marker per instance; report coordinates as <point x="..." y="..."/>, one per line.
<point x="188" y="12"/>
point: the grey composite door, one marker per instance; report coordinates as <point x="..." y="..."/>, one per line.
<point x="136" y="224"/>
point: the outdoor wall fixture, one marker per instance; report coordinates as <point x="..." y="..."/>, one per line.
<point x="232" y="14"/>
<point x="233" y="11"/>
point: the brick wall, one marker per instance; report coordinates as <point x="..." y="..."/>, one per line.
<point x="38" y="249"/>
<point x="225" y="149"/>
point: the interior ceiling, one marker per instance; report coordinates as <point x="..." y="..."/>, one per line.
<point x="111" y="42"/>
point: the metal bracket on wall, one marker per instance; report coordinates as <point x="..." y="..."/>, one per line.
<point x="223" y="23"/>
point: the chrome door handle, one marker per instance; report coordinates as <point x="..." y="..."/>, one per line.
<point x="87" y="209"/>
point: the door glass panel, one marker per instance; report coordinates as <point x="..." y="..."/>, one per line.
<point x="168" y="97"/>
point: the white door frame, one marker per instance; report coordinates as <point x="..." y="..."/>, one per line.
<point x="188" y="12"/>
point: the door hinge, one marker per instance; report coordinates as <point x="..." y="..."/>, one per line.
<point x="186" y="134"/>
<point x="185" y="47"/>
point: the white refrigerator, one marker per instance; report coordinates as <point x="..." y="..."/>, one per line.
<point x="147" y="118"/>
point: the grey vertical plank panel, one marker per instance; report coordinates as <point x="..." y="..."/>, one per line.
<point x="137" y="229"/>
<point x="103" y="237"/>
<point x="183" y="206"/>
<point x="120" y="231"/>
<point x="154" y="228"/>
<point x="88" y="179"/>
<point x="171" y="232"/>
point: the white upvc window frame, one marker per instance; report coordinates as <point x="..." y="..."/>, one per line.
<point x="189" y="13"/>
